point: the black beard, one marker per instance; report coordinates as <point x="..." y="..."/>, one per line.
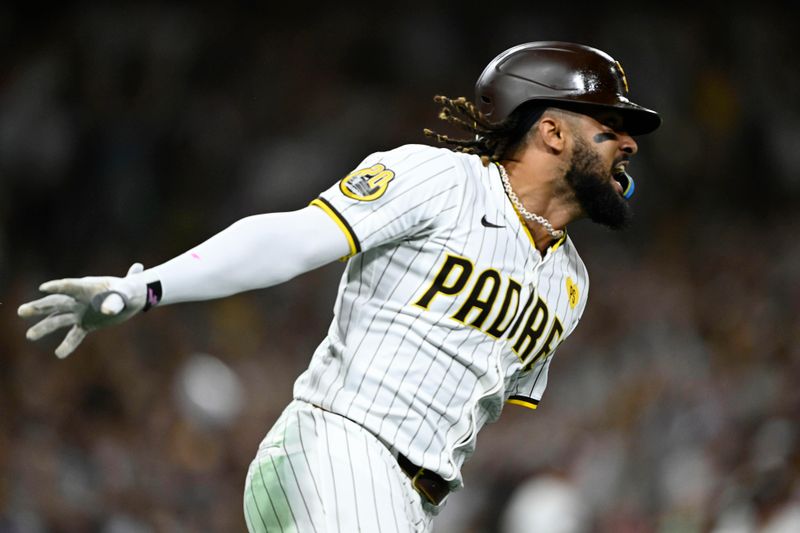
<point x="595" y="194"/>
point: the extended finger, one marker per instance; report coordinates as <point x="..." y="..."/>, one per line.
<point x="81" y="289"/>
<point x="135" y="268"/>
<point x="50" y="324"/>
<point x="58" y="285"/>
<point x="55" y="303"/>
<point x="70" y="342"/>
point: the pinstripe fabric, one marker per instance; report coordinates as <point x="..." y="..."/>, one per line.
<point x="319" y="472"/>
<point x="425" y="377"/>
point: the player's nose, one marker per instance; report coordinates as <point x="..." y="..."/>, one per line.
<point x="627" y="144"/>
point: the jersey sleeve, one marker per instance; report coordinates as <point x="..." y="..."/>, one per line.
<point x="528" y="387"/>
<point x="393" y="195"/>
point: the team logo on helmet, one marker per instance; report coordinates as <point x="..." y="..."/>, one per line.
<point x="572" y="293"/>
<point x="366" y="184"/>
<point x="624" y="77"/>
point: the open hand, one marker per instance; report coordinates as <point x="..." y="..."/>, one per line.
<point x="85" y="304"/>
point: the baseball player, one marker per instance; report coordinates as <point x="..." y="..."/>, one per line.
<point x="460" y="284"/>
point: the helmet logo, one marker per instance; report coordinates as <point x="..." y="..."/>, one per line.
<point x="624" y="78"/>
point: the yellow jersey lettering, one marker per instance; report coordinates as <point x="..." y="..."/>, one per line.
<point x="451" y="280"/>
<point x="526" y="326"/>
<point x="497" y="328"/>
<point x="475" y="301"/>
<point x="547" y="348"/>
<point x="533" y="329"/>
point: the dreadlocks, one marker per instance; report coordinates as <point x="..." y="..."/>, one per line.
<point x="492" y="142"/>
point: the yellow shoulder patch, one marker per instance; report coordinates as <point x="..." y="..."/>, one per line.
<point x="572" y="293"/>
<point x="366" y="184"/>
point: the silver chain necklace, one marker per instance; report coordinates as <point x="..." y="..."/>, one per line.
<point x="555" y="233"/>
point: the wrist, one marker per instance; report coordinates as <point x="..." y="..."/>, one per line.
<point x="147" y="288"/>
<point x="153" y="295"/>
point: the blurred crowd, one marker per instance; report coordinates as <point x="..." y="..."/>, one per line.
<point x="132" y="133"/>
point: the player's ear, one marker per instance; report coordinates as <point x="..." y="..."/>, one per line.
<point x="552" y="129"/>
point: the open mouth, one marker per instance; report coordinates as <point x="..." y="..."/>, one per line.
<point x="623" y="180"/>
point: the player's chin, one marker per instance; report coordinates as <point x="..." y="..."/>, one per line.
<point x="616" y="217"/>
<point x="601" y="201"/>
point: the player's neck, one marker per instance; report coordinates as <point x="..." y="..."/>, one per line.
<point x="540" y="192"/>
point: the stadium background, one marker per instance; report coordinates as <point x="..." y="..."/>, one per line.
<point x="132" y="133"/>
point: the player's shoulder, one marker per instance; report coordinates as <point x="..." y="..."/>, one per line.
<point x="410" y="154"/>
<point x="425" y="162"/>
<point x="416" y="154"/>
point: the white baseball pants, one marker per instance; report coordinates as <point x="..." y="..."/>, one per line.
<point x="316" y="471"/>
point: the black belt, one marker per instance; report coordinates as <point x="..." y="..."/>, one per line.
<point x="427" y="483"/>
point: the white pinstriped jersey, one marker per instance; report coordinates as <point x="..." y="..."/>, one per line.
<point x="445" y="310"/>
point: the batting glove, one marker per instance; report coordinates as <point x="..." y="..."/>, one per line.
<point x="85" y="304"/>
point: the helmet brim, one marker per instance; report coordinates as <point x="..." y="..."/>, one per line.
<point x="636" y="120"/>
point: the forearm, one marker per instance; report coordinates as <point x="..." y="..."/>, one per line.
<point x="255" y="252"/>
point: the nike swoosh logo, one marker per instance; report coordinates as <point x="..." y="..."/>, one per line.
<point x="488" y="224"/>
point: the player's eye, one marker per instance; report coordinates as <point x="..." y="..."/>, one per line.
<point x="610" y="120"/>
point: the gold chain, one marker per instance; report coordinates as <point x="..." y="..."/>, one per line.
<point x="555" y="233"/>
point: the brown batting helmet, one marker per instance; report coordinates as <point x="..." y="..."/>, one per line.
<point x="569" y="75"/>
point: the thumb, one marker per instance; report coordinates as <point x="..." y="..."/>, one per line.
<point x="135" y="268"/>
<point x="112" y="304"/>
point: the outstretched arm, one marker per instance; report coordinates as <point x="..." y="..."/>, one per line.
<point x="255" y="252"/>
